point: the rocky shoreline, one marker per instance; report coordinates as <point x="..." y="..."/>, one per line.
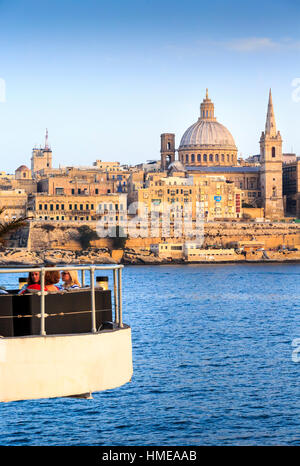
<point x="23" y="257"/>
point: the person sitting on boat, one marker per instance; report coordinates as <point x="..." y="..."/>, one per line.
<point x="33" y="279"/>
<point x="51" y="278"/>
<point x="70" y="280"/>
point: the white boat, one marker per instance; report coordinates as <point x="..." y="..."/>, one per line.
<point x="63" y="344"/>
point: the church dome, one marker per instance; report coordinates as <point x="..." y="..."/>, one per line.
<point x="207" y="131"/>
<point x="22" y="168"/>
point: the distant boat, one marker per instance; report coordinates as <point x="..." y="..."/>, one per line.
<point x="65" y="343"/>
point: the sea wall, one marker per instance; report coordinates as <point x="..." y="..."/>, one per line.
<point x="59" y="243"/>
<point x="62" y="235"/>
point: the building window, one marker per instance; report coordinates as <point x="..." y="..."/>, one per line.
<point x="96" y="191"/>
<point x="57" y="207"/>
<point x="222" y="157"/>
<point x="63" y="207"/>
<point x="40" y="207"/>
<point x="204" y="158"/>
<point x="227" y="157"/>
<point x="51" y="206"/>
<point x="211" y="157"/>
<point x="186" y="157"/>
<point x="79" y="191"/>
<point x="81" y="206"/>
<point x="92" y="206"/>
<point x="193" y="158"/>
<point x="199" y="158"/>
<point x="70" y="206"/>
<point x="75" y="208"/>
<point x="273" y="152"/>
<point x="217" y="157"/>
<point x="73" y="191"/>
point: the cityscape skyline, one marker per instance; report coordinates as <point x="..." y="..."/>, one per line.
<point x="106" y="85"/>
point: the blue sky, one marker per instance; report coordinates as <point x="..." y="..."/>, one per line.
<point x="107" y="78"/>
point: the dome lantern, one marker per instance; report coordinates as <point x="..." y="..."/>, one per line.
<point x="207" y="109"/>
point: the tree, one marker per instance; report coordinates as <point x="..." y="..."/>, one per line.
<point x="86" y="235"/>
<point x="10" y="226"/>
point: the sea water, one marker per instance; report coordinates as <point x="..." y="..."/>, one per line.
<point x="214" y="364"/>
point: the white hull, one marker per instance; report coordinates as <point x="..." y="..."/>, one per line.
<point x="64" y="365"/>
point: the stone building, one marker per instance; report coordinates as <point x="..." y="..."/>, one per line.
<point x="15" y="203"/>
<point x="23" y="173"/>
<point x="291" y="187"/>
<point x="81" y="208"/>
<point x="73" y="185"/>
<point x="207" y="148"/>
<point x="217" y="198"/>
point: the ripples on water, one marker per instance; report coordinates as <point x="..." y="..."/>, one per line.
<point x="212" y="361"/>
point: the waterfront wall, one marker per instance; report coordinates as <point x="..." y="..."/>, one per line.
<point x="62" y="235"/>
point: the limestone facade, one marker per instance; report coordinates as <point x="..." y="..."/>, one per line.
<point x="81" y="208"/>
<point x="14" y="202"/>
<point x="217" y="198"/>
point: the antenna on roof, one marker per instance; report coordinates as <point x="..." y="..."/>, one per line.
<point x="46" y="140"/>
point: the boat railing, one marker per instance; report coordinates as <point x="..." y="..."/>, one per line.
<point x="117" y="287"/>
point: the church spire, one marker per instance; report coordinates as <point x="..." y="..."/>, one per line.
<point x="270" y="121"/>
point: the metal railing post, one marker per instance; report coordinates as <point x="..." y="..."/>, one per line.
<point x="120" y="297"/>
<point x="43" y="331"/>
<point x="92" y="283"/>
<point x="82" y="278"/>
<point x="116" y="297"/>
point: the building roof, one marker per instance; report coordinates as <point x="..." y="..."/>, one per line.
<point x="223" y="169"/>
<point x="22" y="168"/>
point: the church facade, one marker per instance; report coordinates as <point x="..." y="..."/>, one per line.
<point x="207" y="148"/>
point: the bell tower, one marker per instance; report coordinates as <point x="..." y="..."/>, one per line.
<point x="167" y="149"/>
<point x="271" y="166"/>
<point x="41" y="157"/>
